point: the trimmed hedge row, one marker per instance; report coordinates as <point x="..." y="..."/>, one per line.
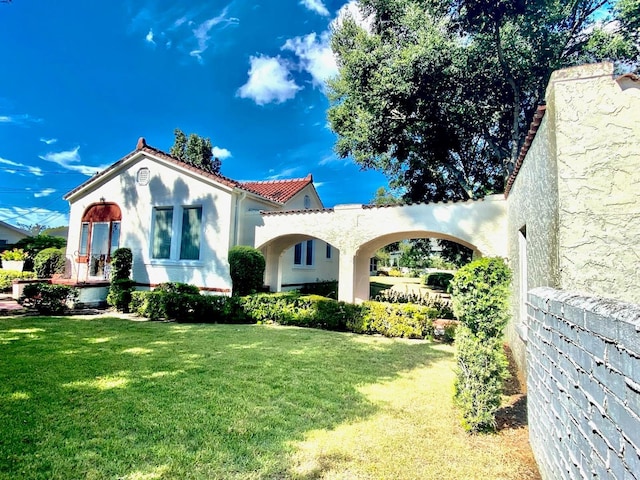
<point x="172" y="302"/>
<point x="8" y="276"/>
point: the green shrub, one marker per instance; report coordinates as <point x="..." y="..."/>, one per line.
<point x="48" y="299"/>
<point x="394" y="272"/>
<point x="482" y="369"/>
<point x="121" y="261"/>
<point x="8" y="276"/>
<point x="396" y="320"/>
<point x="119" y="295"/>
<point x="434" y="301"/>
<point x="326" y="288"/>
<point x="246" y="266"/>
<point x="441" y="280"/>
<point x="122" y="286"/>
<point x="480" y="292"/>
<point x="177" y="301"/>
<point x="17" y="254"/>
<point x="480" y="296"/>
<point x="49" y="261"/>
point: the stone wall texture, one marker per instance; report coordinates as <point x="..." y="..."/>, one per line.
<point x="583" y="391"/>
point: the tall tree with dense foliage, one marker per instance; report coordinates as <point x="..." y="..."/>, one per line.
<point x="195" y="150"/>
<point x="438" y="94"/>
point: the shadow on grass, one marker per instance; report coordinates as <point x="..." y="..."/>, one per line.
<point x="376" y="287"/>
<point x="105" y="398"/>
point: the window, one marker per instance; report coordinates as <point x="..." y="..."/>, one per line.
<point x="190" y="239"/>
<point x="99" y="236"/>
<point x="523" y="276"/>
<point x="303" y="254"/>
<point x="328" y="252"/>
<point x="162" y="222"/>
<point x="307" y="202"/>
<point x="189" y="223"/>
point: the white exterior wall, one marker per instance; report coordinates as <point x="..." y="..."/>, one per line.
<point x="169" y="185"/>
<point x="10" y="235"/>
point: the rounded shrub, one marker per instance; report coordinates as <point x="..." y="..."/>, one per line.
<point x="49" y="261"/>
<point x="246" y="266"/>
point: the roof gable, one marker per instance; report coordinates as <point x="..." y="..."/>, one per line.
<point x="277" y="191"/>
<point x="280" y="191"/>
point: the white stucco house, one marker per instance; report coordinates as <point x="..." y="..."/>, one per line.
<point x="180" y="221"/>
<point x="10" y="234"/>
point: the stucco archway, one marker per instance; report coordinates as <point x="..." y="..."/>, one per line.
<point x="358" y="230"/>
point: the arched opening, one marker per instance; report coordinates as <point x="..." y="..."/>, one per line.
<point x="297" y="261"/>
<point x="407" y="262"/>
<point x="99" y="237"/>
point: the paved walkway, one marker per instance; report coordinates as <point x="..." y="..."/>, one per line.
<point x="8" y="306"/>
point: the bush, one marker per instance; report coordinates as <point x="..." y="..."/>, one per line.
<point x="119" y="295"/>
<point x="17" y="254"/>
<point x="8" y="276"/>
<point x="246" y="266"/>
<point x="482" y="369"/>
<point x="48" y="299"/>
<point x="325" y="288"/>
<point x="122" y="286"/>
<point x="177" y="287"/>
<point x="434" y="301"/>
<point x="480" y="296"/>
<point x="121" y="261"/>
<point x="395" y="320"/>
<point x="480" y="292"/>
<point x="49" y="261"/>
<point x="440" y="280"/>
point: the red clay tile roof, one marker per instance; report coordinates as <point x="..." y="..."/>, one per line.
<point x="280" y="191"/>
<point x="531" y="134"/>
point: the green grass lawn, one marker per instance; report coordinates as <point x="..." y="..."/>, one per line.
<point x="117" y="399"/>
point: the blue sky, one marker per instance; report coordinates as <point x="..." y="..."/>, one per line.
<point x="83" y="80"/>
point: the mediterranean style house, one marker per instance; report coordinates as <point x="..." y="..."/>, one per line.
<point x="180" y="221"/>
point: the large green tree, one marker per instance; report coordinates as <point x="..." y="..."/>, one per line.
<point x="438" y="94"/>
<point x="195" y="150"/>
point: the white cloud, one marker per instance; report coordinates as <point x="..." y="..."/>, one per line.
<point x="44" y="193"/>
<point x="21" y="167"/>
<point x="32" y="216"/>
<point x="286" y="173"/>
<point x="201" y="33"/>
<point x="48" y="141"/>
<point x="352" y="10"/>
<point x="269" y="81"/>
<point x="149" y="37"/>
<point x="315" y="55"/>
<point x="70" y="159"/>
<point x="19" y="119"/>
<point x="220" y="153"/>
<point x="316" y="6"/>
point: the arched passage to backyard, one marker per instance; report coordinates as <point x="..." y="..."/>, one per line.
<point x="357" y="231"/>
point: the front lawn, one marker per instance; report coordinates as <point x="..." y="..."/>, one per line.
<point x="112" y="398"/>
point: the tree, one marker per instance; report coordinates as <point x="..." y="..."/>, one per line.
<point x="195" y="150"/>
<point x="438" y="94"/>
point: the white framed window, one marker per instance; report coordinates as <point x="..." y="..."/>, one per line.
<point x="186" y="246"/>
<point x="303" y="254"/>
<point x="328" y="252"/>
<point x="99" y="237"/>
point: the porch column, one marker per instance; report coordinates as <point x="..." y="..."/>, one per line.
<point x="346" y="275"/>
<point x="361" y="277"/>
<point x="272" y="271"/>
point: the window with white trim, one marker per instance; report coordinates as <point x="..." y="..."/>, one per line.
<point x="164" y="246"/>
<point x="328" y="253"/>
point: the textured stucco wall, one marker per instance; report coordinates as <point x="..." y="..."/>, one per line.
<point x="598" y="149"/>
<point x="533" y="204"/>
<point x="583" y="386"/>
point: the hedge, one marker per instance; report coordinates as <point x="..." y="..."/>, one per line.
<point x="289" y="308"/>
<point x="8" y="276"/>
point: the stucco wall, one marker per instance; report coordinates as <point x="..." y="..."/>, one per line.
<point x="598" y="149"/>
<point x="533" y="205"/>
<point x="168" y="186"/>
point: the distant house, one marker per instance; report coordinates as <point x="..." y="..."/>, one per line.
<point x="10" y="234"/>
<point x="180" y="221"/>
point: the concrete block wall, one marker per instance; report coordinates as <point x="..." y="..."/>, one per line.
<point x="583" y="384"/>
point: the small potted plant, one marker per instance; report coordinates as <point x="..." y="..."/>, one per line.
<point x="13" y="259"/>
